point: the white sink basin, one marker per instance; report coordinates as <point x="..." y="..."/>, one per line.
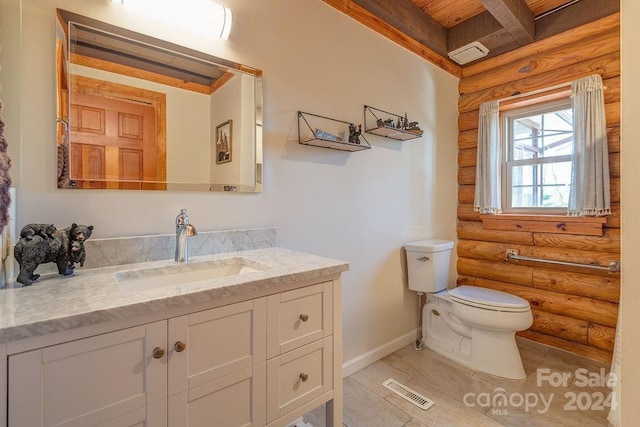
<point x="178" y="274"/>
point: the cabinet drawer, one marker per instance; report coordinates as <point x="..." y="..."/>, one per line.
<point x="298" y="317"/>
<point x="298" y="377"/>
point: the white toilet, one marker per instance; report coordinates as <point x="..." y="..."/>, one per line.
<point x="474" y="326"/>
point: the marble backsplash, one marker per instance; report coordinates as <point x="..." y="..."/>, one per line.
<point x="128" y="250"/>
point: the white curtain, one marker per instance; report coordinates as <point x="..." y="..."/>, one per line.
<point x="590" y="166"/>
<point x="487" y="198"/>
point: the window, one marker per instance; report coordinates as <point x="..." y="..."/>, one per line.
<point x="537" y="146"/>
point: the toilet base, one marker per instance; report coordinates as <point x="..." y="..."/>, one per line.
<point x="492" y="352"/>
<point x="496" y="354"/>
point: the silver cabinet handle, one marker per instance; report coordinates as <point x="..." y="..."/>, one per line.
<point x="424" y="258"/>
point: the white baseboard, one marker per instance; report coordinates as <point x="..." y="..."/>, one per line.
<point x="351" y="366"/>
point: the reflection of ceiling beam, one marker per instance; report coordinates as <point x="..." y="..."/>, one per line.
<point x="515" y="16"/>
<point x="125" y="70"/>
<point x="221" y="81"/>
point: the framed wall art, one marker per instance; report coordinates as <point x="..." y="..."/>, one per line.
<point x="224" y="142"/>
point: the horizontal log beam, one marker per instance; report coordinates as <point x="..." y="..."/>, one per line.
<point x="577" y="307"/>
<point x="471" y="230"/>
<point x="490" y="270"/>
<point x="466" y="175"/>
<point x="570" y="346"/>
<point x="607" y="66"/>
<point x="496" y="251"/>
<point x="560" y="57"/>
<point x="468" y="139"/>
<point x="601" y="337"/>
<point x="605" y="288"/>
<point x="544" y="45"/>
<point x="608" y="242"/>
<point x="560" y="326"/>
<point x="466" y="213"/>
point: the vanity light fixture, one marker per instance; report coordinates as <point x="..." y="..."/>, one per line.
<point x="200" y="13"/>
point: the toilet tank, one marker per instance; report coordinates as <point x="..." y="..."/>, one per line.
<point x="428" y="265"/>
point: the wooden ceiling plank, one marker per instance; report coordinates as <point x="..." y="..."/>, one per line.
<point x="409" y="19"/>
<point x="515" y="16"/>
<point x="580" y="13"/>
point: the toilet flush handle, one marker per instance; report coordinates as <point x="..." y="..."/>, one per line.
<point x="424" y="258"/>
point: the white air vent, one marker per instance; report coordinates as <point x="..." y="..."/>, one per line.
<point x="468" y="53"/>
<point x="404" y="391"/>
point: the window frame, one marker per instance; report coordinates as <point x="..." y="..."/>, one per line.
<point x="507" y="119"/>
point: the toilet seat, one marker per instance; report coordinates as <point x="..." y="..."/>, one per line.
<point x="488" y="299"/>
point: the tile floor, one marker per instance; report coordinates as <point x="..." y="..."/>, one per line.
<point x="490" y="401"/>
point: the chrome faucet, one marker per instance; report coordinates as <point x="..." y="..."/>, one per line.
<point x="183" y="231"/>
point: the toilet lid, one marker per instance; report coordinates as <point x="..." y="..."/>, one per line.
<point x="488" y="298"/>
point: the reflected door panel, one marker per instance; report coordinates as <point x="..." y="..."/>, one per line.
<point x="125" y="133"/>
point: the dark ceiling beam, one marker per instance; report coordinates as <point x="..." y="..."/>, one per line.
<point x="483" y="28"/>
<point x="409" y="19"/>
<point x="515" y="16"/>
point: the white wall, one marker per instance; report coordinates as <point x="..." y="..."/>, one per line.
<point x="225" y="104"/>
<point x="630" y="295"/>
<point x="360" y="207"/>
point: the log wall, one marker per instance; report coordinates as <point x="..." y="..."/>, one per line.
<point x="574" y="309"/>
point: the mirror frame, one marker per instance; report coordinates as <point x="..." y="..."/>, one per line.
<point x="65" y="19"/>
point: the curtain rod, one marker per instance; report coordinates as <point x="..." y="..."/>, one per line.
<point x="535" y="92"/>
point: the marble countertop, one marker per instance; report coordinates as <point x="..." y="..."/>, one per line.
<point x="91" y="296"/>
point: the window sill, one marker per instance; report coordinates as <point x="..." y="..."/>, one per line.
<point x="558" y="224"/>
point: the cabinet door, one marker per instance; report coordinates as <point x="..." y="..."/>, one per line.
<point x="217" y="366"/>
<point x="298" y="317"/>
<point x="109" y="379"/>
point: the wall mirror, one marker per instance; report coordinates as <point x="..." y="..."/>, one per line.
<point x="136" y="112"/>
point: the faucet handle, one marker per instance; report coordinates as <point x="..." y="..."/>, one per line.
<point x="191" y="230"/>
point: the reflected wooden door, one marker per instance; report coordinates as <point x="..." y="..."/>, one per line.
<point x="112" y="143"/>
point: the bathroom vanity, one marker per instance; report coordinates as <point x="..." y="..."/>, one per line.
<point x="259" y="345"/>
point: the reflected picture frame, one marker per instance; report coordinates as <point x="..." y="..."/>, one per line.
<point x="224" y="142"/>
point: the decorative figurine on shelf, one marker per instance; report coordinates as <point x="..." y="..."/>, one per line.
<point x="354" y="133"/>
<point x="65" y="247"/>
<point x="385" y="123"/>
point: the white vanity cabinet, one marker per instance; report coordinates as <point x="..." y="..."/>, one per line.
<point x="264" y="361"/>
